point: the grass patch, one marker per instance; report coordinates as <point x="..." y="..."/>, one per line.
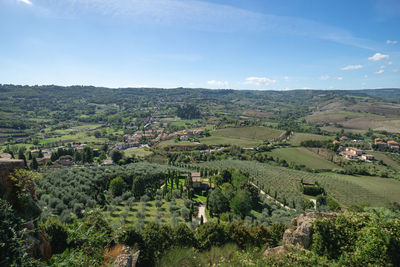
<point x="253" y="133"/>
<point x="138" y="152"/>
<point x="298" y="137"/>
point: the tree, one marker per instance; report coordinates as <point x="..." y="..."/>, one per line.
<point x="183" y="236"/>
<point x="117" y="186"/>
<point x="14" y="248"/>
<point x="241" y="203"/>
<point x="88" y="154"/>
<point x="210" y="234"/>
<point x="217" y="202"/>
<point x="116" y="155"/>
<point x="228" y="191"/>
<point x="157" y="239"/>
<point x="34" y="164"/>
<point x="40" y="154"/>
<point x="56" y="233"/>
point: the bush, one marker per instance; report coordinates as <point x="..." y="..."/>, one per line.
<point x="117" y="186"/>
<point x="183" y="236"/>
<point x="209" y="234"/>
<point x="156" y="238"/>
<point x="56" y="233"/>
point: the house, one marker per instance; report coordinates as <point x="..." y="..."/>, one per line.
<point x="344" y="138"/>
<point x="366" y="157"/>
<point x="196" y="179"/>
<point x="184" y="138"/>
<point x="354" y="151"/>
<point x="393" y="145"/>
<point x="380" y="143"/>
<point x="351" y="153"/>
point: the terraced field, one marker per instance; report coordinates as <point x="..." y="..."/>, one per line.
<point x="349" y="190"/>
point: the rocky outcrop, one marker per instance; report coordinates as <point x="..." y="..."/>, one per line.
<point x="121" y="256"/>
<point x="300" y="232"/>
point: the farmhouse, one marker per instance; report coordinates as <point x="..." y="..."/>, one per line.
<point x="344" y="138"/>
<point x="393" y="145"/>
<point x="196" y="181"/>
<point x="368" y="157"/>
<point x="351" y="153"/>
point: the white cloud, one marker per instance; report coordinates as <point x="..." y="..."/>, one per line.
<point x="382" y="67"/>
<point x="391" y="42"/>
<point x="286" y="78"/>
<point x="259" y="81"/>
<point x="218" y="83"/>
<point x="395" y="70"/>
<point x="28" y="2"/>
<point x="324" y="77"/>
<point x="365" y="76"/>
<point x="379" y="72"/>
<point x="352" y="67"/>
<point x="390" y="63"/>
<point x="378" y="56"/>
<point x="340" y="78"/>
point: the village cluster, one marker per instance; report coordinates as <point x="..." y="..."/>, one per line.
<point x="352" y="153"/>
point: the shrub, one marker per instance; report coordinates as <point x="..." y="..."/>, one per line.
<point x="183" y="236"/>
<point x="210" y="234"/>
<point x="56" y="233"/>
<point x="117" y="186"/>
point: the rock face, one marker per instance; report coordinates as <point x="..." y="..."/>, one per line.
<point x="121" y="256"/>
<point x="300" y="232"/>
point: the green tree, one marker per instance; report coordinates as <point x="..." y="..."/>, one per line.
<point x="217" y="202"/>
<point x="117" y="186"/>
<point x="183" y="236"/>
<point x="241" y="203"/>
<point x="116" y="155"/>
<point x="34" y="164"/>
<point x="56" y="233"/>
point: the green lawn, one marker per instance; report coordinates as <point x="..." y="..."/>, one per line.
<point x="180" y="123"/>
<point x="302" y="156"/>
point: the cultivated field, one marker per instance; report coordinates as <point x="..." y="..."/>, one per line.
<point x="256" y="133"/>
<point x="303" y="156"/>
<point x="348" y="190"/>
<point x="296" y="138"/>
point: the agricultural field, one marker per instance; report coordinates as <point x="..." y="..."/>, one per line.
<point x="216" y="140"/>
<point x="376" y="124"/>
<point x="138" y="152"/>
<point x="254" y="133"/>
<point x="127" y="214"/>
<point x="333" y="129"/>
<point x="303" y="156"/>
<point x="387" y="160"/>
<point x="348" y="190"/>
<point x="296" y="138"/>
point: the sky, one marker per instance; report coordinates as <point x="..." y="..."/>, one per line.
<point x="237" y="44"/>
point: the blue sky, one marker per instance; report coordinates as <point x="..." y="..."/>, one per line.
<point x="238" y="44"/>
